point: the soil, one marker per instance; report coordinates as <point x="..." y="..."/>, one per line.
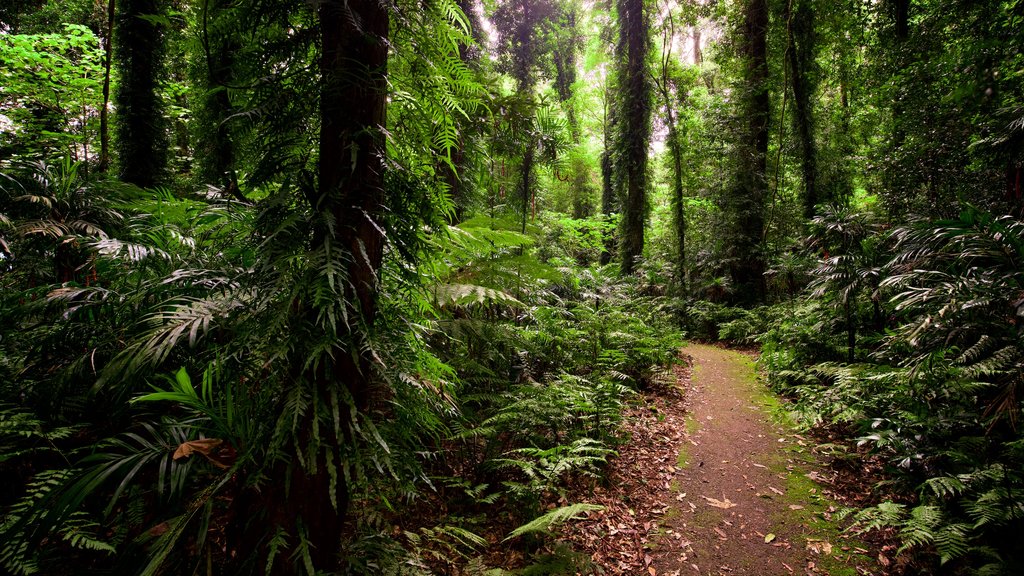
<point x="714" y="481"/>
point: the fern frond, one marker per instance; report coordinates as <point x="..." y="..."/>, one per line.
<point x="553" y="518"/>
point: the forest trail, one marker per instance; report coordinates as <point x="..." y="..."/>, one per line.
<point x="745" y="496"/>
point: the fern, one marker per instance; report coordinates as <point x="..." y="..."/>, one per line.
<point x="553" y="518"/>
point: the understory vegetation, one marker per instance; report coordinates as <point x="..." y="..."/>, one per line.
<point x="367" y="287"/>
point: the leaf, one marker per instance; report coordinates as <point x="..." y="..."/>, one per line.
<point x="769" y="538"/>
<point x="209" y="448"/>
<point x="822" y="547"/>
<point x="553" y="518"/>
<point x="725" y="503"/>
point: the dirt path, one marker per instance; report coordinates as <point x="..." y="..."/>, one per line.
<point x="745" y="499"/>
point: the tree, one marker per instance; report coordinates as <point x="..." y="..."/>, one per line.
<point x="141" y="135"/>
<point x="349" y="205"/>
<point x="803" y="81"/>
<point x="634" y="128"/>
<point x="214" y="77"/>
<point x="670" y="96"/>
<point x="750" y="190"/>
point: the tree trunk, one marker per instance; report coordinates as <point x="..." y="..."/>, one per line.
<point x="752" y="186"/>
<point x="851" y="335"/>
<point x="353" y="67"/>
<point x="635" y="128"/>
<point x="142" y="138"/>
<point x="698" y="55"/>
<point x="607" y="204"/>
<point x="800" y="26"/>
<point x="215" y="149"/>
<point x="104" y="162"/>
<point x="527" y="174"/>
<point x="675" y="147"/>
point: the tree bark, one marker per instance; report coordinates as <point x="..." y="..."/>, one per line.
<point x="351" y="194"/>
<point x="635" y="128"/>
<point x="142" y="138"/>
<point x="800" y="25"/>
<point x="676" y="151"/>
<point x="752" y="189"/>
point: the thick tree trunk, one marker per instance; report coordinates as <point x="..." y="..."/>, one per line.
<point x="635" y="128"/>
<point x="353" y="66"/>
<point x="752" y="190"/>
<point x="801" y="64"/>
<point x="142" y="138"/>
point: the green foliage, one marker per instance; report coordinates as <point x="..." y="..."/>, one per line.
<point x="553" y="518"/>
<point x="50" y="99"/>
<point x="938" y="399"/>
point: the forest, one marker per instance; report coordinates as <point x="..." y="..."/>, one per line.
<point x="386" y="286"/>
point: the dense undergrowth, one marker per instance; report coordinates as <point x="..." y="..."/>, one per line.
<point x="909" y="346"/>
<point x="138" y="389"/>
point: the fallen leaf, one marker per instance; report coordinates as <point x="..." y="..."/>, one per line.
<point x="721" y="533"/>
<point x="768" y="538"/>
<point x="795" y="507"/>
<point x="819" y="547"/>
<point x="725" y="503"/>
<point x="213" y="449"/>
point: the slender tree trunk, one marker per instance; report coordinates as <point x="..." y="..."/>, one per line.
<point x="698" y="55"/>
<point x="635" y="127"/>
<point x="902" y="26"/>
<point x="607" y="204"/>
<point x="676" y="150"/>
<point x="215" y="148"/>
<point x="527" y="174"/>
<point x="607" y="174"/>
<point x="104" y="162"/>
<point x="851" y="335"/>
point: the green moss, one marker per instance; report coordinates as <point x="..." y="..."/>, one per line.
<point x="683" y="460"/>
<point x="691" y="424"/>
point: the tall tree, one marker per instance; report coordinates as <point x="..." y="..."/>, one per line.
<point x="803" y="75"/>
<point x="665" y="82"/>
<point x="141" y="133"/>
<point x="608" y="199"/>
<point x="634" y="134"/>
<point x="750" y="190"/>
<point x="214" y="76"/>
<point x="566" y="45"/>
<point x="353" y="96"/>
<point x="108" y="55"/>
<point x="522" y="26"/>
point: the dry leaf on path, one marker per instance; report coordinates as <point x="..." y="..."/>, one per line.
<point x="724" y="503"/>
<point x="819" y="546"/>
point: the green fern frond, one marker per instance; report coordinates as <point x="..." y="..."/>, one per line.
<point x="553" y="518"/>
